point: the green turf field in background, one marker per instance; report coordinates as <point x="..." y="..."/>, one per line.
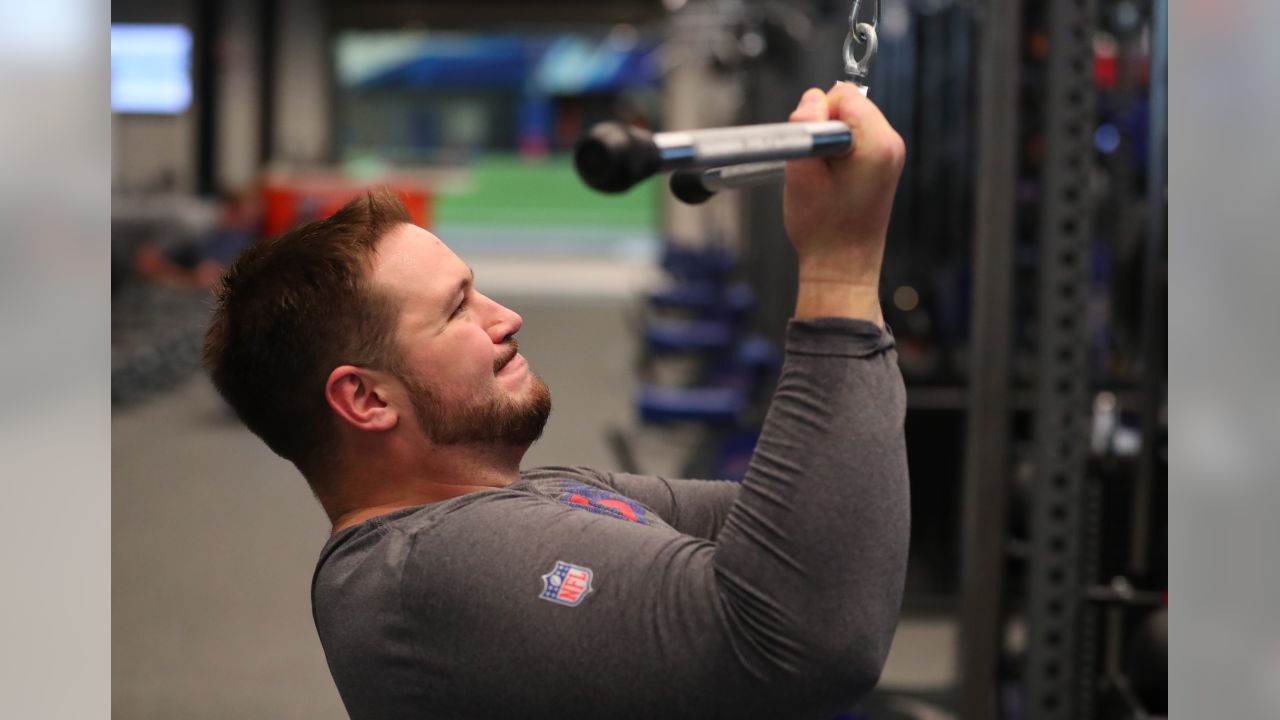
<point x="511" y="191"/>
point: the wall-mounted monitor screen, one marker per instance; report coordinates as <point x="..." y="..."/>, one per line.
<point x="150" y="69"/>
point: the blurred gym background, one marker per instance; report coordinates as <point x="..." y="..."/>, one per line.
<point x="1025" y="281"/>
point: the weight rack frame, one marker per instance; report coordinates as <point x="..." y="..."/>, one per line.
<point x="1059" y="673"/>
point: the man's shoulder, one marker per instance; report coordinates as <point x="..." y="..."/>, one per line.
<point x="390" y="541"/>
<point x="395" y="532"/>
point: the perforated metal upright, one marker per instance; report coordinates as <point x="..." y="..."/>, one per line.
<point x="1059" y="664"/>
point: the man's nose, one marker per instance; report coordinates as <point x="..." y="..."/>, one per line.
<point x="504" y="322"/>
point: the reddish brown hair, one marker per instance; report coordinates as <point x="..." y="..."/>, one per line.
<point x="291" y="309"/>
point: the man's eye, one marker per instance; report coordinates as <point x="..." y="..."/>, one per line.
<point x="458" y="311"/>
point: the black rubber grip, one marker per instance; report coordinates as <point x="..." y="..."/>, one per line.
<point x="687" y="186"/>
<point x="614" y="157"/>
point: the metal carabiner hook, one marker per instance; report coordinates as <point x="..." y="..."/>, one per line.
<point x="864" y="16"/>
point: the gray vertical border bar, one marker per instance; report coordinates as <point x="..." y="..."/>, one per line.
<point x="987" y="421"/>
<point x="1059" y="662"/>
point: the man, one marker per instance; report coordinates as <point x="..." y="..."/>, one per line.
<point x="456" y="586"/>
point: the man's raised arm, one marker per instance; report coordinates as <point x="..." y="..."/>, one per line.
<point x="812" y="557"/>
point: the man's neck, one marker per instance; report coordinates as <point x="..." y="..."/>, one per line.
<point x="384" y="486"/>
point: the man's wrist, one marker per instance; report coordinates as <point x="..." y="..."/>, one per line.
<point x="820" y="296"/>
<point x="858" y="264"/>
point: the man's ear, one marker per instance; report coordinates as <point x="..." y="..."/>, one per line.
<point x="360" y="397"/>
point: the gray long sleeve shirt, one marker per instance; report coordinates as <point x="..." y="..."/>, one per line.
<point x="579" y="594"/>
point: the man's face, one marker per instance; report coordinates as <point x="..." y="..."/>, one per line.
<point x="459" y="360"/>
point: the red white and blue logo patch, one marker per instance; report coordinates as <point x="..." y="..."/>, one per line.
<point x="566" y="584"/>
<point x="601" y="502"/>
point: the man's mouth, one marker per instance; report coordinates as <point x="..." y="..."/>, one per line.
<point x="506" y="357"/>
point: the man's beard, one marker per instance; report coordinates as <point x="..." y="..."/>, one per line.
<point x="493" y="420"/>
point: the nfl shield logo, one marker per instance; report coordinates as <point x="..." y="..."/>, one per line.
<point x="566" y="584"/>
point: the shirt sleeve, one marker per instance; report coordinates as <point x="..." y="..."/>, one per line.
<point x="535" y="608"/>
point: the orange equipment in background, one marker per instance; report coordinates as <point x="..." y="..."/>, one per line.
<point x="288" y="202"/>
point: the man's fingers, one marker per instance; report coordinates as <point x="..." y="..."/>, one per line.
<point x="875" y="139"/>
<point x="849" y="104"/>
<point x="811" y="107"/>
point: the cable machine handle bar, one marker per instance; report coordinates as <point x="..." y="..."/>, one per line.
<point x="614" y="157"/>
<point x="694" y="187"/>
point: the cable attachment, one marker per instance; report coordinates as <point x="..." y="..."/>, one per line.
<point x="861" y="43"/>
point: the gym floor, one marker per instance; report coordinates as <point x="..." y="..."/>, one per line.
<point x="214" y="538"/>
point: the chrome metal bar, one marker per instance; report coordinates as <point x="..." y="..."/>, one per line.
<point x="752" y="144"/>
<point x="615" y="157"/>
<point x="696" y="187"/>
